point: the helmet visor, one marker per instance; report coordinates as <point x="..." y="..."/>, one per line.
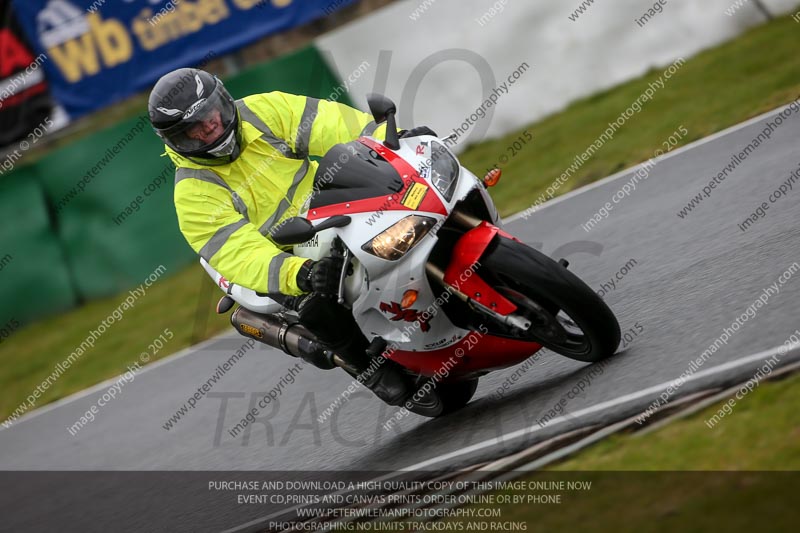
<point x="204" y="126"/>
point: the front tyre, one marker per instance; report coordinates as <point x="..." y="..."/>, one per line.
<point x="565" y="314"/>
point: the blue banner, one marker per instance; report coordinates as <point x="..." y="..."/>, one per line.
<point x="101" y="51"/>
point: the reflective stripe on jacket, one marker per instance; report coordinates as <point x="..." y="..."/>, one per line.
<point x="224" y="212"/>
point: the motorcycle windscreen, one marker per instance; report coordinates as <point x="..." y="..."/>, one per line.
<point x="353" y="171"/>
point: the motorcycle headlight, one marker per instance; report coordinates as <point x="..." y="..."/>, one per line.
<point x="394" y="242"/>
<point x="444" y="170"/>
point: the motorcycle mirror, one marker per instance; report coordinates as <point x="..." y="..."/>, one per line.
<point x="295" y="230"/>
<point x="292" y="231"/>
<point x="380" y="107"/>
<point x="383" y="109"/>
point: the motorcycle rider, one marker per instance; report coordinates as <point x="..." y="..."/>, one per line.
<point x="241" y="168"/>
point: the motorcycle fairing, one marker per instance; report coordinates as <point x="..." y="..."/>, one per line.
<point x="383" y="197"/>
<point x="466" y="255"/>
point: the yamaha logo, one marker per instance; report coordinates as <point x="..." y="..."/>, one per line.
<point x="313" y="242"/>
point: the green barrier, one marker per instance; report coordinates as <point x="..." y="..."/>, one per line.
<point x="111" y="193"/>
<point x="34" y="279"/>
<point x="113" y="200"/>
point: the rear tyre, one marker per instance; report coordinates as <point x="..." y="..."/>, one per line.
<point x="440" y="399"/>
<point x="456" y="394"/>
<point x="566" y="315"/>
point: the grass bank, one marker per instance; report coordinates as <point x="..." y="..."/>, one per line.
<point x="737" y="475"/>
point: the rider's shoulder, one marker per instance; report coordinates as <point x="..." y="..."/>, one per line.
<point x="272" y="101"/>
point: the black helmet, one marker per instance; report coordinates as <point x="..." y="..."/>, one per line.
<point x="195" y="116"/>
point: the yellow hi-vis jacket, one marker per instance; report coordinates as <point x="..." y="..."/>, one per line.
<point x="224" y="212"/>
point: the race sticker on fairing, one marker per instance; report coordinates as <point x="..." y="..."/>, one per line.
<point x="414" y="195"/>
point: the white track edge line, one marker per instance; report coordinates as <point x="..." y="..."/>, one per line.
<point x="503" y="439"/>
<point x="515" y="434"/>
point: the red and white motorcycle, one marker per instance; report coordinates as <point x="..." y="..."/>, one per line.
<point x="433" y="273"/>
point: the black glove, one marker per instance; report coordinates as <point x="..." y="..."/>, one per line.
<point x="416" y="132"/>
<point x="321" y="276"/>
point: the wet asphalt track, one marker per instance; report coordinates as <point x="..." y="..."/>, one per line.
<point x="692" y="278"/>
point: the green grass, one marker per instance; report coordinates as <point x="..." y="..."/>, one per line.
<point x="713" y="90"/>
<point x="641" y="483"/>
<point x="183" y="303"/>
<point x="762" y="433"/>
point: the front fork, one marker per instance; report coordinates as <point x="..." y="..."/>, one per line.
<point x="511" y="319"/>
<point x="460" y="276"/>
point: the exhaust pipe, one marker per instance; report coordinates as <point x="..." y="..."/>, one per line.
<point x="276" y="331"/>
<point x="285" y="333"/>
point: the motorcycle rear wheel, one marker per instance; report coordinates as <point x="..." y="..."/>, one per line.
<point x="445" y="398"/>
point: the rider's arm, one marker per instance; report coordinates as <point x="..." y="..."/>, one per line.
<point x="224" y="238"/>
<point x="312" y="126"/>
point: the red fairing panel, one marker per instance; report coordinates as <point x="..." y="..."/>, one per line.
<point x="460" y="273"/>
<point x="473" y="353"/>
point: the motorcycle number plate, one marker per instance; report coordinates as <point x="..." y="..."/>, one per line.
<point x="414" y="195"/>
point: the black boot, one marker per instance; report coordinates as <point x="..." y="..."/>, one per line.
<point x="334" y="326"/>
<point x="384" y="377"/>
<point x="389" y="383"/>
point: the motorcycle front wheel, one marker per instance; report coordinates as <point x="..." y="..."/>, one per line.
<point x="565" y="315"/>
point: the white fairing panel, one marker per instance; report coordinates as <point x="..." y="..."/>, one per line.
<point x="247" y="298"/>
